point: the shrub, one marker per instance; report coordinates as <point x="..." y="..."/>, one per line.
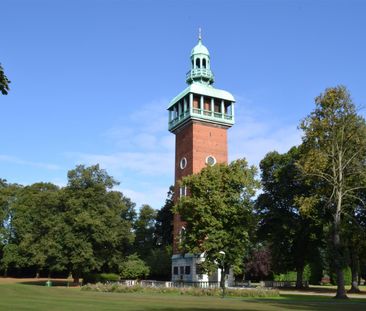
<point x="134" y="268"/>
<point x="100" y="277"/>
<point x="288" y="276"/>
<point x="190" y="291"/>
<point x="109" y="277"/>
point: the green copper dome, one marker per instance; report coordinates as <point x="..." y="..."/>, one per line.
<point x="200" y="65"/>
<point x="200" y="49"/>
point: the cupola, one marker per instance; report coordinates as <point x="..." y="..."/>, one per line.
<point x="200" y="65"/>
<point x="201" y="101"/>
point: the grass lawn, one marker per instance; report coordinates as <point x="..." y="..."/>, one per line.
<point x="33" y="297"/>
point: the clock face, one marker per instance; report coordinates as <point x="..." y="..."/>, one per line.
<point x="183" y="163"/>
<point x="210" y="160"/>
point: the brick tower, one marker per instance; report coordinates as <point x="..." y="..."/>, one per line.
<point x="199" y="117"/>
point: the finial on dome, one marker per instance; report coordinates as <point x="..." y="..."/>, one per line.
<point x="199" y="34"/>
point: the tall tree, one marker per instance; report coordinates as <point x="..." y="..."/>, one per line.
<point x="291" y="235"/>
<point x="8" y="239"/>
<point x="159" y="258"/>
<point x="144" y="231"/>
<point x="36" y="223"/>
<point x="355" y="234"/>
<point x="218" y="212"/>
<point x="4" y="82"/>
<point x="96" y="236"/>
<point x="334" y="154"/>
<point x="164" y="221"/>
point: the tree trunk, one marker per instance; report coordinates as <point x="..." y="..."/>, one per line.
<point x="76" y="277"/>
<point x="341" y="291"/>
<point x="299" y="276"/>
<point x="354" y="269"/>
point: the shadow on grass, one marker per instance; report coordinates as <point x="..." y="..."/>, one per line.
<point x="53" y="283"/>
<point x="314" y="303"/>
<point x="318" y="290"/>
<point x="254" y="305"/>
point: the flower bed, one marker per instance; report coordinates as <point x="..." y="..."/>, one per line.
<point x="191" y="291"/>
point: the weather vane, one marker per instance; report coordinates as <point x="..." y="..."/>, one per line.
<point x="199" y="33"/>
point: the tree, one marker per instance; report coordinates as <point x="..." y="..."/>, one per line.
<point x="160" y="262"/>
<point x="133" y="268"/>
<point x="4" y="82"/>
<point x="36" y="223"/>
<point x="164" y="221"/>
<point x="258" y="264"/>
<point x="355" y="234"/>
<point x="96" y="237"/>
<point x="291" y="235"/>
<point x="334" y="155"/>
<point x="218" y="212"/>
<point x="144" y="230"/>
<point x="159" y="256"/>
<point x="8" y="239"/>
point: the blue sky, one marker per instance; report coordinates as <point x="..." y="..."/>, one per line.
<point x="91" y="80"/>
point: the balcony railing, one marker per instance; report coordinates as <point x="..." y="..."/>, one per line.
<point x="204" y="114"/>
<point x="198" y="73"/>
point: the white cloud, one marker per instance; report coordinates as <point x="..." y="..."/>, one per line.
<point x="19" y="161"/>
<point x="154" y="196"/>
<point x="144" y="129"/>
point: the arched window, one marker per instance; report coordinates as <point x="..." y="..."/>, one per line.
<point x="204" y="63"/>
<point x="198" y="63"/>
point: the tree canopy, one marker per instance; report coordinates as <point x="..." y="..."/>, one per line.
<point x="218" y="212"/>
<point x="292" y="236"/>
<point x="334" y="148"/>
<point x="96" y="237"/>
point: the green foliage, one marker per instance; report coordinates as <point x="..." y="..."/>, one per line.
<point x="144" y="228"/>
<point x="333" y="159"/>
<point x="134" y="268"/>
<point x="35" y="225"/>
<point x="292" y="275"/>
<point x="189" y="291"/>
<point x="4" y="82"/>
<point x="347" y="274"/>
<point x="96" y="237"/>
<point x="218" y="212"/>
<point x="293" y="236"/>
<point x="288" y="276"/>
<point x="307" y="273"/>
<point x="100" y="277"/>
<point x="82" y="227"/>
<point x="159" y="261"/>
<point x="164" y="221"/>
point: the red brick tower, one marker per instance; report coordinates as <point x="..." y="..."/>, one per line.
<point x="199" y="117"/>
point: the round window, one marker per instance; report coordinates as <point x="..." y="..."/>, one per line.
<point x="210" y="160"/>
<point x="183" y="163"/>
